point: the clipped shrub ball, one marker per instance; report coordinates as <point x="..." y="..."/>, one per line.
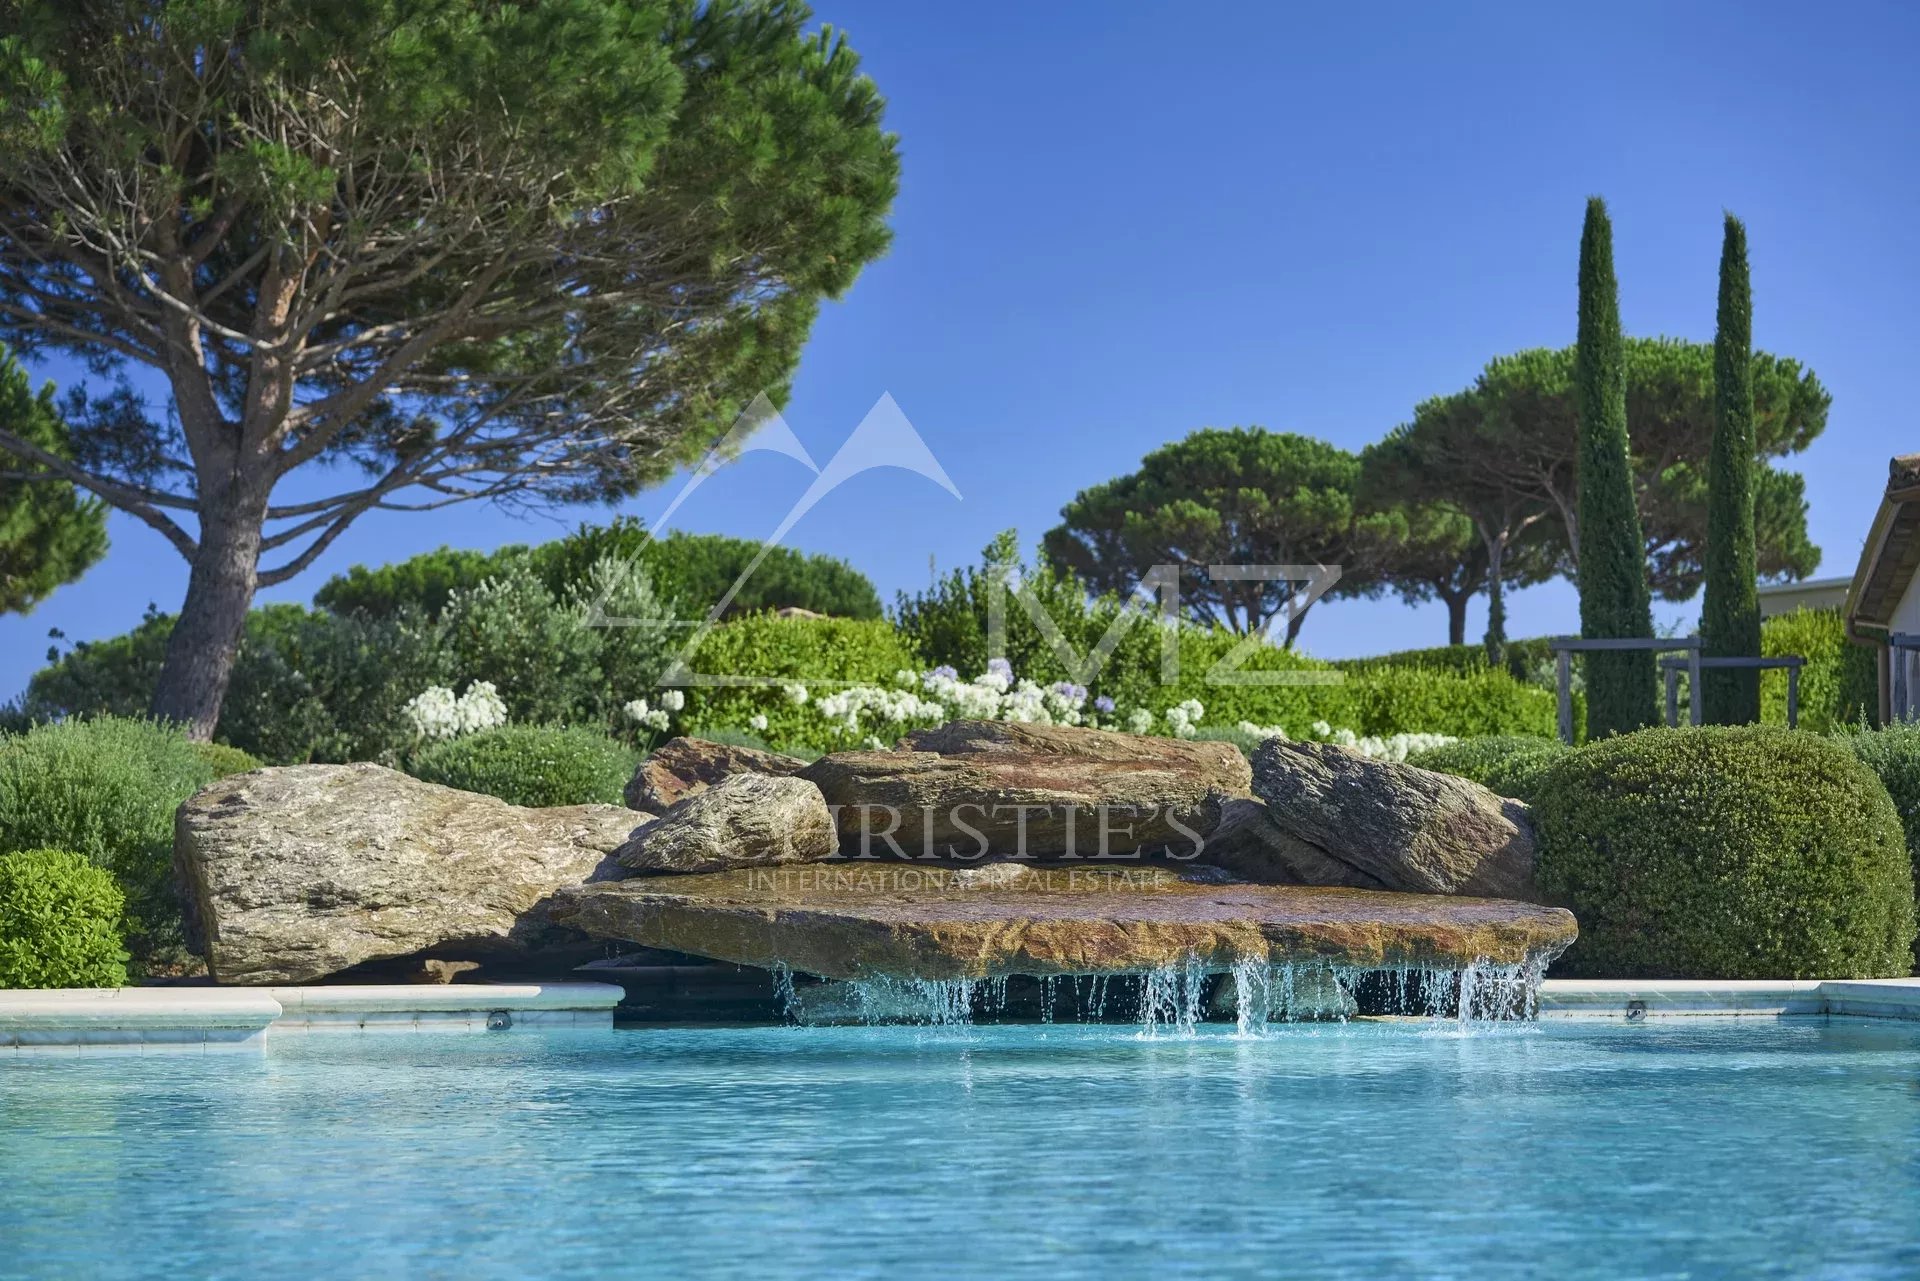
<point x="1510" y="764"/>
<point x="1893" y="754"/>
<point x="1726" y="853"/>
<point x="224" y="760"/>
<point x="107" y="788"/>
<point x="59" y="922"/>
<point x="532" y="765"/>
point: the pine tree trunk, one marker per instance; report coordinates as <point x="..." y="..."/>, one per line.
<point x="1496" y="639"/>
<point x="1615" y="602"/>
<point x="1730" y="619"/>
<point x="1457" y="603"/>
<point x="206" y="636"/>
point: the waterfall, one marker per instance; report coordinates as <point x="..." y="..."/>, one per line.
<point x="1172" y="996"/>
<point x="1175" y="999"/>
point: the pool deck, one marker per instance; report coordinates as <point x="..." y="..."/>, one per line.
<point x="198" y="1020"/>
<point x="205" y="1019"/>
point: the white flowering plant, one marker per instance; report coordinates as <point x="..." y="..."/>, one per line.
<point x="437" y="714"/>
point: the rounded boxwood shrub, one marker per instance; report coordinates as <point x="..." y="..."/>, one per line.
<point x="1510" y="764"/>
<point x="1728" y="853"/>
<point x="531" y="765"/>
<point x="59" y="922"/>
<point x="107" y="788"/>
<point x="224" y="760"/>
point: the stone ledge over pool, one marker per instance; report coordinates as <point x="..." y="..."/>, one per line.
<point x="202" y="1019"/>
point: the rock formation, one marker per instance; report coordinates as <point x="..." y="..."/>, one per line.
<point x="740" y="821"/>
<point x="860" y="920"/>
<point x="293" y="874"/>
<point x="1408" y="829"/>
<point x="680" y="767"/>
<point x="970" y="788"/>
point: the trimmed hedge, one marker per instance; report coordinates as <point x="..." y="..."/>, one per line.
<point x="531" y="765"/>
<point x="107" y="789"/>
<point x="1839" y="686"/>
<point x="1729" y="853"/>
<point x="1510" y="764"/>
<point x="819" y="653"/>
<point x="1523" y="658"/>
<point x="59" y="922"/>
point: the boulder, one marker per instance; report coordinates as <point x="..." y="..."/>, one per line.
<point x="853" y="920"/>
<point x="296" y="873"/>
<point x="970" y="789"/>
<point x="741" y="821"/>
<point x="1409" y="829"/>
<point x="680" y="767"/>
<point x="1250" y="845"/>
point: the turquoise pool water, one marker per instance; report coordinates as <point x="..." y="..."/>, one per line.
<point x="1696" y="1149"/>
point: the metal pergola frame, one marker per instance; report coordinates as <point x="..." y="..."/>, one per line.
<point x="1565" y="647"/>
<point x="1670" y="668"/>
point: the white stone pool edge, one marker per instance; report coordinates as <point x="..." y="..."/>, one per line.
<point x="1682" y="998"/>
<point x="207" y="1019"/>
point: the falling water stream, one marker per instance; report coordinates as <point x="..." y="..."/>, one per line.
<point x="1174" y="1000"/>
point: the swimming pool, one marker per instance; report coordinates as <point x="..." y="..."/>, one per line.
<point x="1580" y="1149"/>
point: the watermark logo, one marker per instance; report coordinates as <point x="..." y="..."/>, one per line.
<point x="885" y="438"/>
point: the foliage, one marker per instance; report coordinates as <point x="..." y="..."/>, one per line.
<point x="1523" y="657"/>
<point x="1456" y="456"/>
<point x="821" y="653"/>
<point x="540" y="655"/>
<point x="532" y="250"/>
<point x="1893" y="754"/>
<point x="1839" y="686"/>
<point x="1245" y="496"/>
<point x="1614" y="600"/>
<point x="689" y="571"/>
<point x="324" y="686"/>
<point x="1730" y="621"/>
<point x="423" y="582"/>
<point x="49" y="533"/>
<point x="699" y="569"/>
<point x="1728" y="853"/>
<point x="224" y="760"/>
<point x="59" y="922"/>
<point x="1510" y="764"/>
<point x="106" y="789"/>
<point x="531" y="765"/>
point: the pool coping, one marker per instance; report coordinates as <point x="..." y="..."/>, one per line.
<point x="1636" y="999"/>
<point x="203" y="1019"/>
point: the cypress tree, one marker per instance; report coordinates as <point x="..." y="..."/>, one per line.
<point x="1622" y="688"/>
<point x="1730" y="624"/>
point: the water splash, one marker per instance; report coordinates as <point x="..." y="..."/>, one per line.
<point x="1174" y="997"/>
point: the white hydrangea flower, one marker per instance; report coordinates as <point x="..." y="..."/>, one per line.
<point x="757" y="722"/>
<point x="636" y="710"/>
<point x="796" y="694"/>
<point x="673" y="699"/>
<point x="1140" y="721"/>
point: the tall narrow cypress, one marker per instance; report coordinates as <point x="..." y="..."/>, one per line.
<point x="1730" y="622"/>
<point x="1622" y="687"/>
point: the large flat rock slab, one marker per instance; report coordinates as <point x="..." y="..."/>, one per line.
<point x="854" y="920"/>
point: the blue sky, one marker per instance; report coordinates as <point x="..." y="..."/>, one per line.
<point x="1121" y="222"/>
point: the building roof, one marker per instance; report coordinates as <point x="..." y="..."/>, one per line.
<point x="1805" y="593"/>
<point x="1891" y="557"/>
